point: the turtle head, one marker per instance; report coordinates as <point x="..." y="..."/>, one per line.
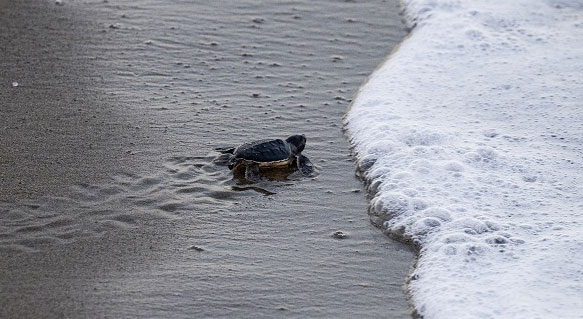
<point x="297" y="142"/>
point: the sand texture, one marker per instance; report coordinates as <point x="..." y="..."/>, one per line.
<point x="111" y="204"/>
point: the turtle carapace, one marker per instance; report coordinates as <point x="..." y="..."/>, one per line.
<point x="270" y="154"/>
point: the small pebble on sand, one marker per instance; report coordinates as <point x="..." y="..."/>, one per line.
<point x="339" y="235"/>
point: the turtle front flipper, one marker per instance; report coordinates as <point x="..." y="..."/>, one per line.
<point x="305" y="166"/>
<point x="252" y="173"/>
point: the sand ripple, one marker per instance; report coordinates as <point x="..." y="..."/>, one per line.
<point x="185" y="185"/>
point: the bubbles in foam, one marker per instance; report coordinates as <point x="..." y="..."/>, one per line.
<point x="391" y="205"/>
<point x="425" y="138"/>
<point x="439" y="213"/>
<point x="478" y="167"/>
<point x="454" y="166"/>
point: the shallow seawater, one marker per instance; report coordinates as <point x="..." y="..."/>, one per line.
<point x="176" y="235"/>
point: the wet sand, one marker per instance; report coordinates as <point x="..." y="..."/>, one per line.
<point x="56" y="128"/>
<point x="111" y="205"/>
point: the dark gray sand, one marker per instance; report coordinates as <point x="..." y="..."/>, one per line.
<point x="110" y="204"/>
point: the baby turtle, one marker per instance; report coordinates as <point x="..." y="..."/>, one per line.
<point x="269" y="154"/>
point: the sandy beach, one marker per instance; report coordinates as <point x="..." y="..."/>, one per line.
<point x="56" y="128"/>
<point x="110" y="204"/>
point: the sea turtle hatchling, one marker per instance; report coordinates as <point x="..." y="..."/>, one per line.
<point x="269" y="154"/>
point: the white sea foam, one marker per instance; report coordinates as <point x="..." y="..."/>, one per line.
<point x="471" y="138"/>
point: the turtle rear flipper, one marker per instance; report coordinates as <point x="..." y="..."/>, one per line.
<point x="226" y="156"/>
<point x="223" y="159"/>
<point x="305" y="166"/>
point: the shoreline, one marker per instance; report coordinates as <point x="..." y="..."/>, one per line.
<point x="360" y="173"/>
